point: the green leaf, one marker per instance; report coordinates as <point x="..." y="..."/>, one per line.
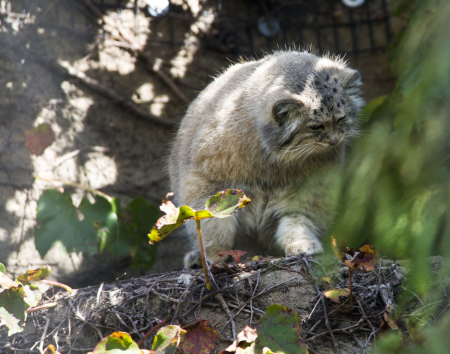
<point x="59" y="220"/>
<point x="225" y="203"/>
<point x="327" y="280"/>
<point x="60" y="224"/>
<point x="34" y="275"/>
<point x="334" y="294"/>
<point x="221" y="205"/>
<point x="7" y="319"/>
<point x="117" y="343"/>
<point x="174" y="218"/>
<point x="2" y="268"/>
<point x="33" y="295"/>
<point x="100" y="224"/>
<point x="141" y="215"/>
<point x="13" y="309"/>
<point x="279" y="330"/>
<point x="167" y="339"/>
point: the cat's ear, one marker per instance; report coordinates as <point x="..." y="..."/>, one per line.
<point x="350" y="79"/>
<point x="282" y="109"/>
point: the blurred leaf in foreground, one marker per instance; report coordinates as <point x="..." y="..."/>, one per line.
<point x="279" y="330"/>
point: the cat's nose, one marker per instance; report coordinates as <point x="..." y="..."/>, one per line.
<point x="333" y="141"/>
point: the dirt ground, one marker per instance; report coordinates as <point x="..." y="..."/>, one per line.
<point x="99" y="143"/>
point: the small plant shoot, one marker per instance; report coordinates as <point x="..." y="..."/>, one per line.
<point x="363" y="260"/>
<point x="221" y="205"/>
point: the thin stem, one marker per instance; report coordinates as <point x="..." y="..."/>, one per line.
<point x="45" y="306"/>
<point x="76" y="185"/>
<point x="202" y="252"/>
<point x="350" y="284"/>
<point x="55" y="283"/>
<point x="149" y="333"/>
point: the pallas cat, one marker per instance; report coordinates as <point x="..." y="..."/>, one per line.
<point x="277" y="128"/>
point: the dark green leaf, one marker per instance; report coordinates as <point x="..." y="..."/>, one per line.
<point x="99" y="223"/>
<point x="59" y="220"/>
<point x="13" y="309"/>
<point x="167" y="339"/>
<point x="279" y="330"/>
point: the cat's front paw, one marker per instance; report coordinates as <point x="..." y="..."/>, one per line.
<point x="193" y="260"/>
<point x="307" y="246"/>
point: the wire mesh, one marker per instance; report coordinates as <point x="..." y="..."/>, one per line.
<point x="327" y="25"/>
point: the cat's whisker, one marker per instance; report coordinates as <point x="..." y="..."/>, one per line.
<point x="315" y="147"/>
<point x="307" y="150"/>
<point x="298" y="153"/>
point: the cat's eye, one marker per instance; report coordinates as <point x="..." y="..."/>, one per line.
<point x="340" y="119"/>
<point x="317" y="127"/>
<point x="282" y="109"/>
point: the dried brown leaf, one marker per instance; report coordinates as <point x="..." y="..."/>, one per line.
<point x="199" y="338"/>
<point x="39" y="138"/>
<point x="236" y="254"/>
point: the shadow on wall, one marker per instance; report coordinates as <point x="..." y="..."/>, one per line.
<point x="158" y="64"/>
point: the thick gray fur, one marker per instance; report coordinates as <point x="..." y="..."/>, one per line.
<point x="278" y="129"/>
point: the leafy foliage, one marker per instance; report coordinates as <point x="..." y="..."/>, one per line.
<point x="167" y="339"/>
<point x="396" y="194"/>
<point x="279" y="330"/>
<point x="91" y="227"/>
<point x="221" y="205"/>
<point x="13" y="309"/>
<point x="16" y="297"/>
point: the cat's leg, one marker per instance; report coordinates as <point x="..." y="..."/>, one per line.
<point x="217" y="235"/>
<point x="297" y="234"/>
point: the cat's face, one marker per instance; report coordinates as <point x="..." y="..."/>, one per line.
<point x="319" y="120"/>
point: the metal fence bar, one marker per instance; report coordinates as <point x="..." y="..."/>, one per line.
<point x="333" y="26"/>
<point x="353" y="32"/>
<point x="386" y="21"/>
<point x="369" y="24"/>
